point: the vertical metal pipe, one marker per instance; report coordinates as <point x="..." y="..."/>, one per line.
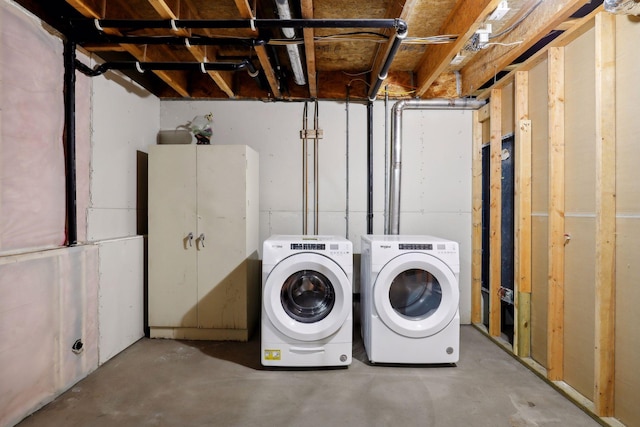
<point x="316" y="181"/>
<point x="346" y="210"/>
<point x="305" y="173"/>
<point x="70" y="139"/>
<point x="386" y="160"/>
<point x="393" y="216"/>
<point x="370" y="167"/>
<point x="395" y="167"/>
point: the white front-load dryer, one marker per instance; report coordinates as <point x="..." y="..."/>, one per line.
<point x="409" y="299"/>
<point x="306" y="301"/>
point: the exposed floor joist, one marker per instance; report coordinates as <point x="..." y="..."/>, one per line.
<point x="577" y="28"/>
<point x="310" y="50"/>
<point x="488" y="62"/>
<point x="463" y="21"/>
<point x="396" y="10"/>
<point x="246" y="13"/>
<point x="222" y="79"/>
<point x="177" y="80"/>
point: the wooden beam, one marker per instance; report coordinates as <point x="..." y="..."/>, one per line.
<point x="261" y="51"/>
<point x="605" y="273"/>
<point x="176" y="80"/>
<point x="577" y="28"/>
<point x="488" y="62"/>
<point x="263" y="57"/>
<point x="310" y="49"/>
<point x="244" y="8"/>
<point x="476" y="220"/>
<point x="495" y="214"/>
<point x="522" y="341"/>
<point x="222" y="79"/>
<point x="555" y="320"/>
<point x="464" y="20"/>
<point x="163" y="9"/>
<point x="484" y="113"/>
<point x="395" y="10"/>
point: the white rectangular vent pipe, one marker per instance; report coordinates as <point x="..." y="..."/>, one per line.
<point x="392" y="225"/>
<point x="293" y="50"/>
<point x="622" y="7"/>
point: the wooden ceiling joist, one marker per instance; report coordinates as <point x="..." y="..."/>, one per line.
<point x="177" y="80"/>
<point x="245" y="12"/>
<point x="463" y="21"/>
<point x="572" y="32"/>
<point x="396" y="10"/>
<point x="222" y="79"/>
<point x="310" y="49"/>
<point x="488" y="62"/>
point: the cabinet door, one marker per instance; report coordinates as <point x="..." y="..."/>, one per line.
<point x="222" y="262"/>
<point x="173" y="294"/>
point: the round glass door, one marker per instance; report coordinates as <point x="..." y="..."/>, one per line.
<point x="307" y="296"/>
<point x="416" y="294"/>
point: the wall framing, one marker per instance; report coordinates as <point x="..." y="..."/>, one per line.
<point x="605" y="214"/>
<point x="602" y="403"/>
<point x="495" y="204"/>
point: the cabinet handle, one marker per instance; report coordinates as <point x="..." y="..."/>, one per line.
<point x="190" y="239"/>
<point x="201" y="239"/>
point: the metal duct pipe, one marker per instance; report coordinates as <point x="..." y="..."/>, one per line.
<point x="346" y="183"/>
<point x="393" y="216"/>
<point x="622" y="7"/>
<point x="305" y="170"/>
<point x="70" y="139"/>
<point x="316" y="174"/>
<point x="293" y="50"/>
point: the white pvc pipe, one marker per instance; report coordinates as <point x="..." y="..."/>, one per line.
<point x="393" y="215"/>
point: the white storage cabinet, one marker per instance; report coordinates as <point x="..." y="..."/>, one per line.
<point x="204" y="273"/>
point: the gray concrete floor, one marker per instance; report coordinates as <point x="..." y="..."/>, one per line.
<point x="190" y="383"/>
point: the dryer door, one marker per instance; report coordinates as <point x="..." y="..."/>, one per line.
<point x="416" y="295"/>
<point x="307" y="296"/>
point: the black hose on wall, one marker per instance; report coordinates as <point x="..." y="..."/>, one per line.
<point x="70" y="140"/>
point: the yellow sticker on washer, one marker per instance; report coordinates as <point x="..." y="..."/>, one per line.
<point x="272" y="355"/>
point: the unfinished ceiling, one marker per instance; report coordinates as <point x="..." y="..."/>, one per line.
<point x="235" y="49"/>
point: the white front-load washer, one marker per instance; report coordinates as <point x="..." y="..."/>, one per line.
<point x="409" y="299"/>
<point x="307" y="301"/>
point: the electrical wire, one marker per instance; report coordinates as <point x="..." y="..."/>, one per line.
<point x="357" y="74"/>
<point x="359" y="80"/>
<point x="515" y="24"/>
<point x="368" y="37"/>
<point x="501" y="44"/>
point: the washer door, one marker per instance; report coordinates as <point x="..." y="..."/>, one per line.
<point x="307" y="296"/>
<point x="416" y="295"/>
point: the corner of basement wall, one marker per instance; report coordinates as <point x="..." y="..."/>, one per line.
<point x="93" y="292"/>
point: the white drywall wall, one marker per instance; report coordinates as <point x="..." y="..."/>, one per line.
<point x="48" y="300"/>
<point x="120" y="295"/>
<point x="436" y="183"/>
<point x="124" y="120"/>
